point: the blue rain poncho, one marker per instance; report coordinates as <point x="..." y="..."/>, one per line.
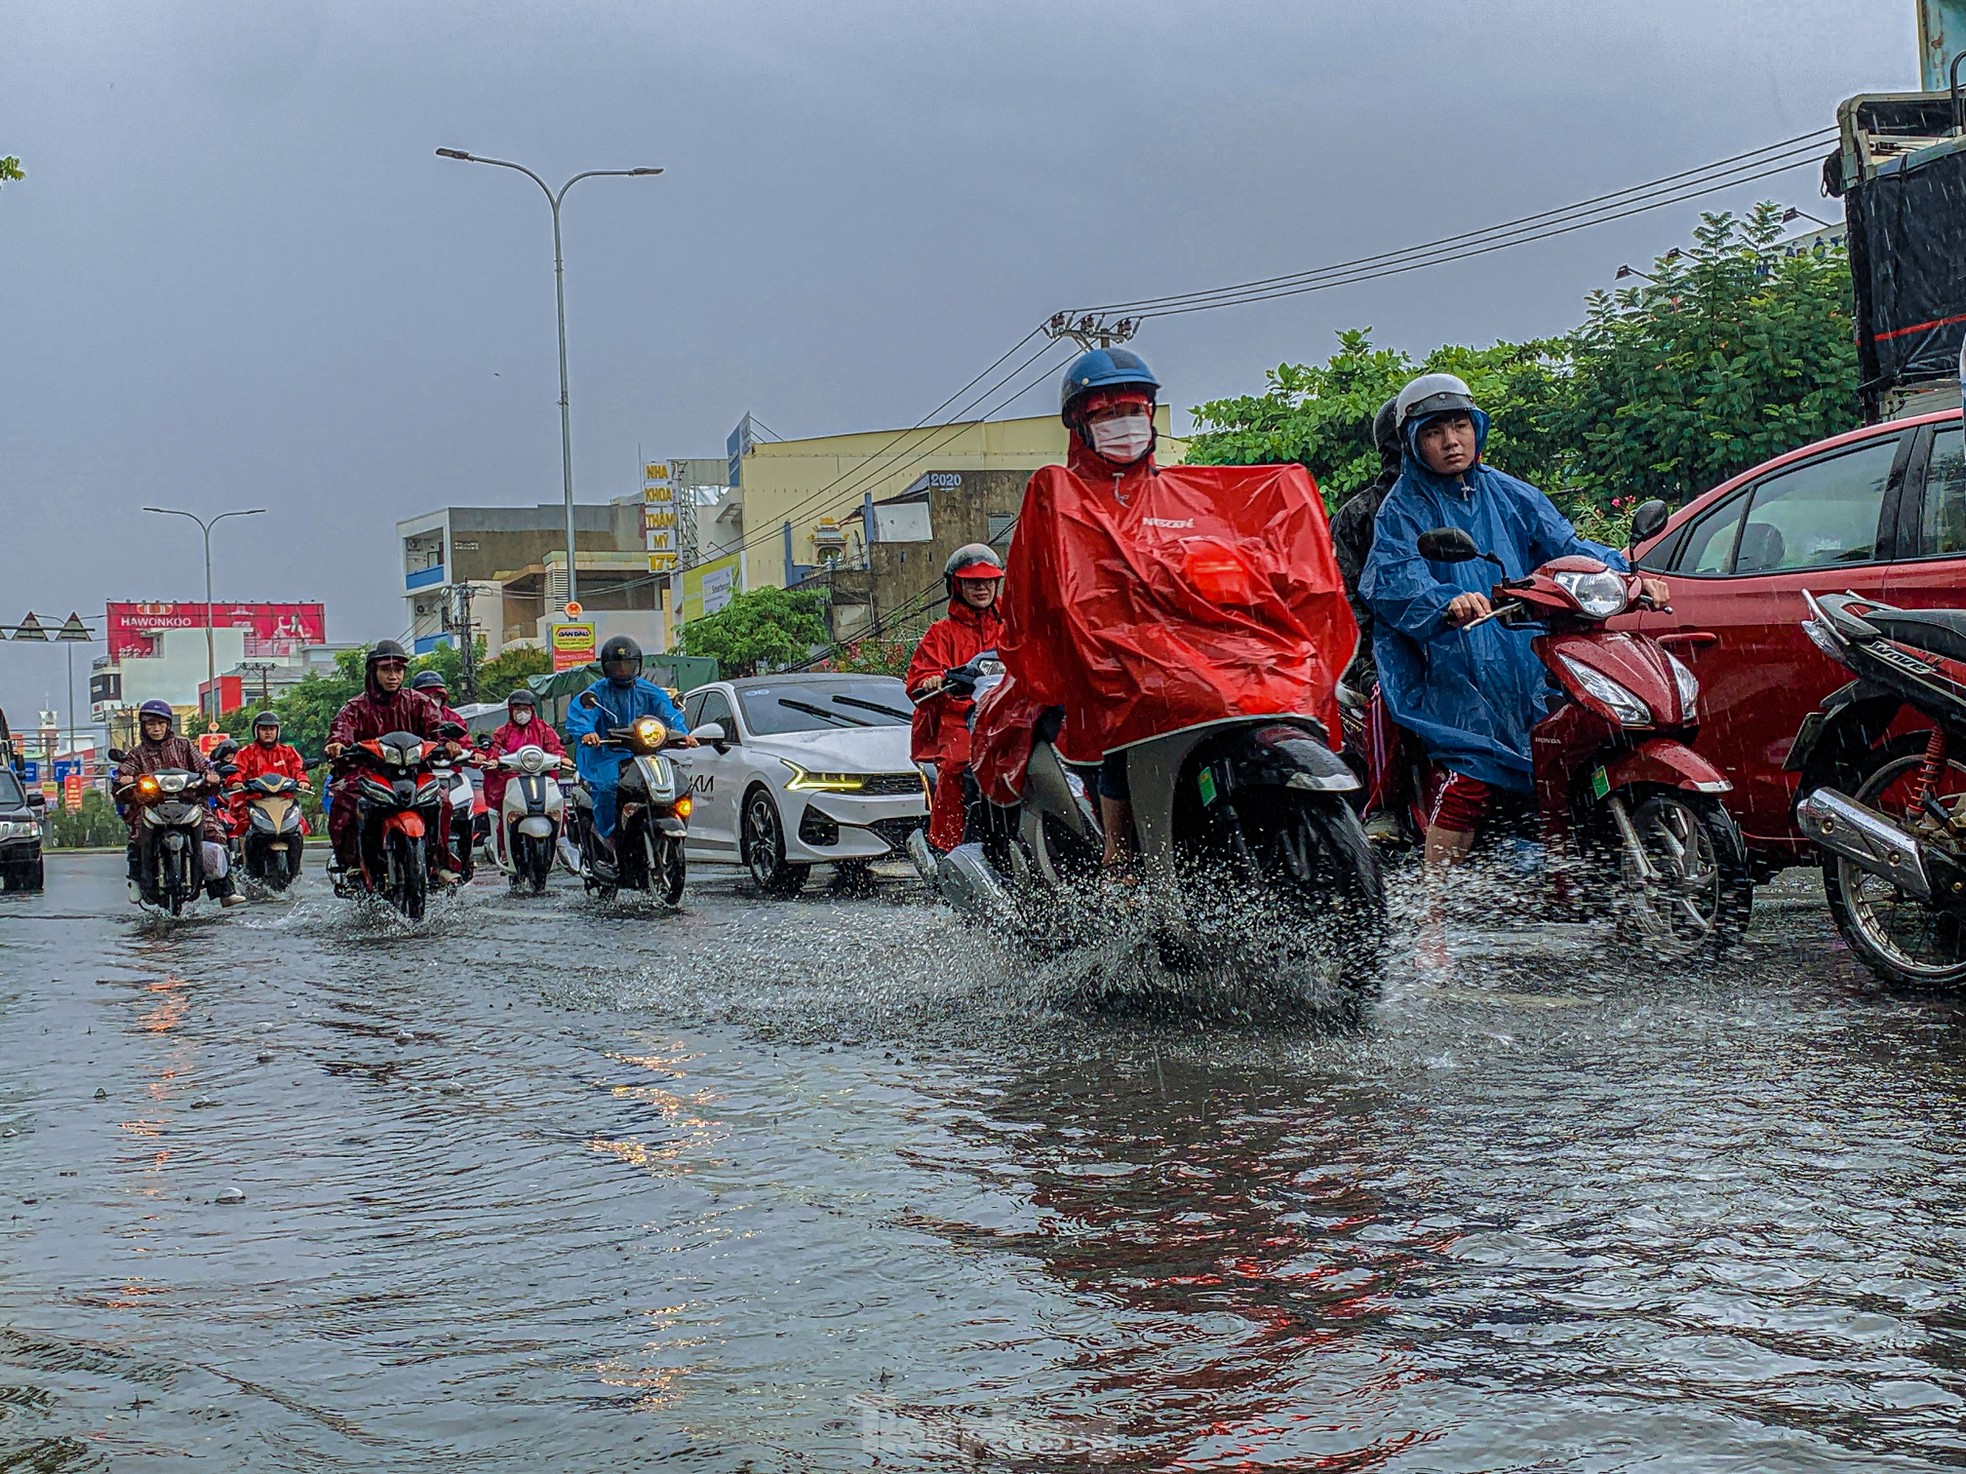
<point x="1470" y="696"/>
<point x="604" y="705"/>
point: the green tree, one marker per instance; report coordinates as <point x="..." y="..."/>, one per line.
<point x="10" y="169"/>
<point x="307" y="708"/>
<point x="765" y="628"/>
<point x="1730" y="355"/>
<point x="91" y="824"/>
<point x="509" y="668"/>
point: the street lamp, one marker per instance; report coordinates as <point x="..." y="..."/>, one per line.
<point x="1625" y="271"/>
<point x="211" y="658"/>
<point x="560" y="300"/>
<point x="1791" y="215"/>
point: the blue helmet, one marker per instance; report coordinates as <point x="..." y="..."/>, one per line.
<point x="1104" y="368"/>
<point x="156" y="709"/>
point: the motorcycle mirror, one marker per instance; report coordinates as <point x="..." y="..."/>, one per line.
<point x="116" y="754"/>
<point x="36" y="799"/>
<point x="1648" y="521"/>
<point x="1448" y="545"/>
<point x="449" y="731"/>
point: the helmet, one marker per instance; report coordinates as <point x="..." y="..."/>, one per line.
<point x="383" y="650"/>
<point x="156" y="709"/>
<point x="1430" y="395"/>
<point x="1104" y="368"/>
<point x="266" y="719"/>
<point x="520" y="696"/>
<point x="1385" y="433"/>
<point x="971" y="560"/>
<point x="428" y="680"/>
<point x="622" y="651"/>
<point x="224" y="751"/>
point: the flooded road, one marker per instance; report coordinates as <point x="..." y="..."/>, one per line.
<point x="815" y="1185"/>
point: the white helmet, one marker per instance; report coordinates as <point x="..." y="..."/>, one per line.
<point x="1432" y="394"/>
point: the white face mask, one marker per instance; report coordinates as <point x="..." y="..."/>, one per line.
<point x="520" y="716"/>
<point x="1124" y="438"/>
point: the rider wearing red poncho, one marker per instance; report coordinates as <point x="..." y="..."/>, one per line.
<point x="1144" y="599"/>
<point x="973" y="576"/>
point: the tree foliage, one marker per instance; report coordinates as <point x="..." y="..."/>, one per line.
<point x="765" y="628"/>
<point x="10" y="169"/>
<point x="1732" y="353"/>
<point x="93" y="824"/>
<point x="509" y="668"/>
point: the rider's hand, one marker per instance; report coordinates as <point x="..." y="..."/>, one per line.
<point x="930" y="686"/>
<point x="454" y="749"/>
<point x="1656" y="591"/>
<point x="305" y="786"/>
<point x="335" y="749"/>
<point x="1467" y="608"/>
<point x="591" y="739"/>
<point x="688" y="741"/>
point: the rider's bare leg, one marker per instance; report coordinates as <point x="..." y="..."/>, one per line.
<point x="1448" y="846"/>
<point x="1116" y="818"/>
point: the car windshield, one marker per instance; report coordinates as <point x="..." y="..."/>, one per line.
<point x="824" y="706"/>
<point x="10" y="795"/>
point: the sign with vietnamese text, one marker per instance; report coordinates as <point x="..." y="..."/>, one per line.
<point x="659" y="517"/>
<point x="131" y="630"/>
<point x="573" y="645"/>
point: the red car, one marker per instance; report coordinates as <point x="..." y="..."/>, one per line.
<point x="1879" y="512"/>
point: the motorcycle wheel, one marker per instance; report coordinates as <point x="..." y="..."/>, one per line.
<point x="536" y="862"/>
<point x="1313" y="853"/>
<point x="1901" y="939"/>
<point x="1706" y="895"/>
<point x="668" y="871"/>
<point x="407" y="881"/>
<point x="177" y="881"/>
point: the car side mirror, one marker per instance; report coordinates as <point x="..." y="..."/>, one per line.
<point x="712" y="733"/>
<point x="1448" y="545"/>
<point x="1648" y="521"/>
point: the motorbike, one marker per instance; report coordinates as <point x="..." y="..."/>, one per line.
<point x="170" y="851"/>
<point x="1246" y="840"/>
<point x="651" y="820"/>
<point x="1882" y="786"/>
<point x="398" y="799"/>
<point x="458" y="854"/>
<point x="531" y="813"/>
<point x="1623" y="800"/>
<point x="270" y="845"/>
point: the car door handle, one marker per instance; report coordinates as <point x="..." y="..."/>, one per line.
<point x="1690" y="639"/>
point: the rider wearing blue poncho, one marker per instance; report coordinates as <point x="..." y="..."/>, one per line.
<point x="1470" y="695"/>
<point x="618" y="699"/>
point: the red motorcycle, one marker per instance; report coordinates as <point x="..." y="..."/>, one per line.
<point x="398" y="800"/>
<point x="1622" y="798"/>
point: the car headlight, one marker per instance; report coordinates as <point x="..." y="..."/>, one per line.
<point x="806" y="782"/>
<point x="1600" y="595"/>
<point x="1688" y="684"/>
<point x="1625" y="705"/>
<point x="14" y="829"/>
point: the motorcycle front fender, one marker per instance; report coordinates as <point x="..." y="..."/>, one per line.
<point x="173" y="839"/>
<point x="537" y="827"/>
<point x="670" y="825"/>
<point x="404" y="821"/>
<point x="1660" y="762"/>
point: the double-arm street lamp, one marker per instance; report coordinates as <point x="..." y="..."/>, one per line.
<point x="211" y="659"/>
<point x="560" y="297"/>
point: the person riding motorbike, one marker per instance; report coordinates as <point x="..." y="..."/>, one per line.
<point x="521" y="728"/>
<point x="159" y="747"/>
<point x="973" y="577"/>
<point x="619" y="697"/>
<point x="265" y="754"/>
<point x="384" y="706"/>
<point x="432" y="684"/>
<point x="1138" y="604"/>
<point x="1469" y="690"/>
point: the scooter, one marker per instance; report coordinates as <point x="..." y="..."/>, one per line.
<point x="1885" y="797"/>
<point x="531" y="813"/>
<point x="1623" y="799"/>
<point x="651" y="820"/>
<point x="1248" y="816"/>
<point x="459" y="854"/>
<point x="398" y="800"/>
<point x="170" y="852"/>
<point x="270" y="846"/>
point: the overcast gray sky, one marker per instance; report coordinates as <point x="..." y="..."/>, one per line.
<point x="237" y="276"/>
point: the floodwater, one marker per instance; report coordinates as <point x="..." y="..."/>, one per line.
<point x="541" y="1185"/>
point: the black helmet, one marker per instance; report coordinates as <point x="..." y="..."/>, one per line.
<point x="224" y="750"/>
<point x="429" y="680"/>
<point x="520" y="696"/>
<point x="266" y="719"/>
<point x="971" y="560"/>
<point x="1385" y="433"/>
<point x="1104" y="368"/>
<point x="621" y="651"/>
<point x="380" y="651"/>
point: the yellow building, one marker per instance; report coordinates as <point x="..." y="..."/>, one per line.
<point x="788" y="487"/>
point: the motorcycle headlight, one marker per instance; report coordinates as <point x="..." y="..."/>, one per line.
<point x="1600" y="595"/>
<point x="1625" y="705"/>
<point x="649" y="731"/>
<point x="532" y="759"/>
<point x="1688" y="685"/>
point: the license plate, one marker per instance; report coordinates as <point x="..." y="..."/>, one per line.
<point x="1206" y="784"/>
<point x="1600" y="783"/>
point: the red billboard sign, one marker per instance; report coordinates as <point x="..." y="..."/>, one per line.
<point x="271" y="629"/>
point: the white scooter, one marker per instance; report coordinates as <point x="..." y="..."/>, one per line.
<point x="526" y="830"/>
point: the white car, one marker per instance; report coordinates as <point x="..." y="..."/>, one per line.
<point x="801" y="770"/>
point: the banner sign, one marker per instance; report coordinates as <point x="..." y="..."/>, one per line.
<point x="573" y="645"/>
<point x="708" y="588"/>
<point x="271" y="629"/>
<point x="659" y="517"/>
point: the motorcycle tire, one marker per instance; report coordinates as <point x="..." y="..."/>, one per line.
<point x="1903" y="940"/>
<point x="1717" y="900"/>
<point x="668" y="871"/>
<point x="535" y="862"/>
<point x="1340" y="864"/>
<point x="178" y="884"/>
<point x="407" y="881"/>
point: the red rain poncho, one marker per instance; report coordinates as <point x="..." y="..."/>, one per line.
<point x="1162" y="598"/>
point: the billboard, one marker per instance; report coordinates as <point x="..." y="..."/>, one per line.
<point x="659" y="517"/>
<point x="573" y="645"/>
<point x="709" y="586"/>
<point x="271" y="629"/>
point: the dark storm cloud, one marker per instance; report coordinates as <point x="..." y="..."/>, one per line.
<point x="236" y="275"/>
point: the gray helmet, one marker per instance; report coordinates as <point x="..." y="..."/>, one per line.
<point x="971" y="560"/>
<point x="1430" y="395"/>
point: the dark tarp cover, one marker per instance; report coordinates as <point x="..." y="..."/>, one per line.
<point x="1908" y="257"/>
<point x="1163" y="600"/>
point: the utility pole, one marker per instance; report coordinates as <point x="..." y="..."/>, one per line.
<point x="1091" y="330"/>
<point x="463" y="631"/>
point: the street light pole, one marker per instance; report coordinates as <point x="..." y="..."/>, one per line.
<point x="211" y="657"/>
<point x="560" y="302"/>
